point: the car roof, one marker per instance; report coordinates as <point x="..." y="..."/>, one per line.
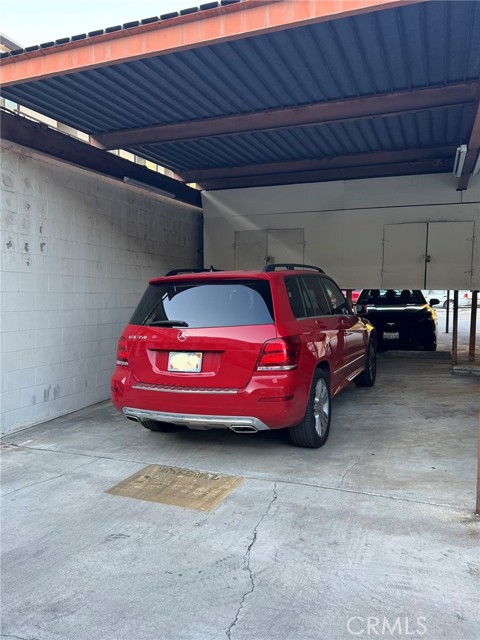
<point x="216" y="275"/>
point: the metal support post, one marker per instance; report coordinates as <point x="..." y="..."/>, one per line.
<point x="473" y="327"/>
<point x="455" y="329"/>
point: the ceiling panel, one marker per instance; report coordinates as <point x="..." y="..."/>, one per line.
<point x="408" y="47"/>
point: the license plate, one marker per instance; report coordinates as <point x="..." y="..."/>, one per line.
<point x="185" y="361"/>
<point x="391" y="335"/>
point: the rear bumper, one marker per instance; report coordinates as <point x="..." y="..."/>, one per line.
<point x="407" y="340"/>
<point x="244" y="424"/>
<point x="267" y="402"/>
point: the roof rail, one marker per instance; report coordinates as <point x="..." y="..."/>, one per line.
<point x="176" y="272"/>
<point x="290" y="266"/>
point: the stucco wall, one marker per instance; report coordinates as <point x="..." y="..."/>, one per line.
<point x="77" y="250"/>
<point x="343" y="221"/>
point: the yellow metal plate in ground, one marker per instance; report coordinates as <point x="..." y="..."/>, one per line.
<point x="177" y="486"/>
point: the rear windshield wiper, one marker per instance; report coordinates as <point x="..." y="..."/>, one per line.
<point x="167" y="323"/>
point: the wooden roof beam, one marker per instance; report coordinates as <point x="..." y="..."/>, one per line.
<point x="328" y="175"/>
<point x="441" y="155"/>
<point x="40" y="137"/>
<point x="308" y="115"/>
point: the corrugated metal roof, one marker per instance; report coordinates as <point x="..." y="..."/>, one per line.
<point x="405" y="48"/>
<point x="424" y="129"/>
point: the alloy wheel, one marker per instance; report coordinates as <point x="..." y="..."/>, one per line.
<point x="321" y="407"/>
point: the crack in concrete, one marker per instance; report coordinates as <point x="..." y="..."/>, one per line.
<point x="61" y="475"/>
<point x="246" y="562"/>
<point x="7" y="635"/>
<point x="350" y="468"/>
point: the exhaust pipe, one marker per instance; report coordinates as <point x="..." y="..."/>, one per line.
<point x="243" y="428"/>
<point x="250" y="424"/>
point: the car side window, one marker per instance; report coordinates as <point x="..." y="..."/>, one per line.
<point x="316" y="294"/>
<point x="337" y="301"/>
<point x="296" y="297"/>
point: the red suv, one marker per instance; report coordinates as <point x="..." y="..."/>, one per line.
<point x="242" y="350"/>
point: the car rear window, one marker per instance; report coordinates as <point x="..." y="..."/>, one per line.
<point x="389" y="297"/>
<point x="206" y="304"/>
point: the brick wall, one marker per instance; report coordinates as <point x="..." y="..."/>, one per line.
<point x="77" y="250"/>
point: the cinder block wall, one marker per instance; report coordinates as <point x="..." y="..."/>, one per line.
<point x="77" y="250"/>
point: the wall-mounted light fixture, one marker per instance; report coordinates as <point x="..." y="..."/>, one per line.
<point x="460" y="156"/>
<point x="148" y="187"/>
<point x="476" y="167"/>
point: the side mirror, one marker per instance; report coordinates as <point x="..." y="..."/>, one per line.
<point x="361" y="310"/>
<point x="433" y="302"/>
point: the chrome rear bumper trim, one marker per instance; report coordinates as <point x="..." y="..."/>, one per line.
<point x="194" y="421"/>
<point x="172" y="389"/>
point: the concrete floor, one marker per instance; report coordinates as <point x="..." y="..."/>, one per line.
<point x="372" y="535"/>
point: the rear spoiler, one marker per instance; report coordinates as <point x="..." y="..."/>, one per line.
<point x="176" y="272"/>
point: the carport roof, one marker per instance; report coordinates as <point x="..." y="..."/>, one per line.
<point x="265" y="92"/>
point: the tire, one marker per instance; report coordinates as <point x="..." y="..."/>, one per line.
<point x="160" y="427"/>
<point x="368" y="375"/>
<point x="430" y="346"/>
<point x="313" y="431"/>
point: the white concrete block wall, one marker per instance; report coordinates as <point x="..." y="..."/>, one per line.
<point x="77" y="250"/>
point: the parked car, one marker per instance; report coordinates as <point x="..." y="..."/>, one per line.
<point x="355" y="294"/>
<point x="403" y="318"/>
<point x="243" y="350"/>
<point x="464" y="297"/>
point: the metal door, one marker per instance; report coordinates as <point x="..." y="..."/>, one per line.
<point x="250" y="249"/>
<point x="404" y="251"/>
<point x="449" y="255"/>
<point x="253" y="249"/>
<point x="433" y="255"/>
<point x="286" y="245"/>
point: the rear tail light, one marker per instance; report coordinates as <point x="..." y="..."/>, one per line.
<point x="122" y="356"/>
<point x="279" y="354"/>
